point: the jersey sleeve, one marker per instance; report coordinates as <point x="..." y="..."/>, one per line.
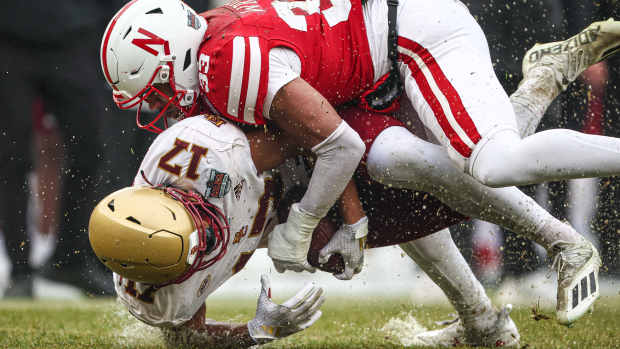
<point x="284" y="67"/>
<point x="233" y="77"/>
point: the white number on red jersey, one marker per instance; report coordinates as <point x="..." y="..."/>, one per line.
<point x="339" y="12"/>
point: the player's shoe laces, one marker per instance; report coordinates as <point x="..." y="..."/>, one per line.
<point x="569" y="58"/>
<point x="502" y="333"/>
<point x="577" y="265"/>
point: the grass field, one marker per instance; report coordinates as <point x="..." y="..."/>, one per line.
<point x="345" y="324"/>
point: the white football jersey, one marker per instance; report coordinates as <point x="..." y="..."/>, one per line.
<point x="212" y="157"/>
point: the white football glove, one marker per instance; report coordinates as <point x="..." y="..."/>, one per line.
<point x="274" y="321"/>
<point x="289" y="242"/>
<point x="349" y="241"/>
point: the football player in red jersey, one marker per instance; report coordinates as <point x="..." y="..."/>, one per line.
<point x="288" y="62"/>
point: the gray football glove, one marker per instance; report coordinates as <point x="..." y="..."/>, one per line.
<point x="349" y="241"/>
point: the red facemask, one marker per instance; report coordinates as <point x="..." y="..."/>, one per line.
<point x="140" y="98"/>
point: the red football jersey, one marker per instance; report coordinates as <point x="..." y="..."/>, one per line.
<point x="328" y="36"/>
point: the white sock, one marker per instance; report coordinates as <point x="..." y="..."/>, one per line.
<point x="554" y="231"/>
<point x="439" y="257"/>
<point x="530" y="101"/>
<point x="504" y="159"/>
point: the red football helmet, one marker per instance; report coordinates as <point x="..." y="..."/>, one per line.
<point x="149" y="43"/>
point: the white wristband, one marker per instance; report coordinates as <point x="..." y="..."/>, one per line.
<point x="360" y="227"/>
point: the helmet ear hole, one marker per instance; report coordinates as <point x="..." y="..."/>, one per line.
<point x="131" y="219"/>
<point x="111" y="205"/>
<point x="188" y="59"/>
<point x="155" y="10"/>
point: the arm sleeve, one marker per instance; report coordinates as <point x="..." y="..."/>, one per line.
<point x="337" y="158"/>
<point x="284" y="67"/>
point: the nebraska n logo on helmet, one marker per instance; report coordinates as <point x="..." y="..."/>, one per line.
<point x="157" y="236"/>
<point x="153" y="39"/>
<point x="152" y="43"/>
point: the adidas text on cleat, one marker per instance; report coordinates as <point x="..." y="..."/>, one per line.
<point x="571" y="57"/>
<point x="502" y="333"/>
<point x="577" y="265"/>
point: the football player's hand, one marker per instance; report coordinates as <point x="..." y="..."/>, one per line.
<point x="274" y="321"/>
<point x="349" y="241"/>
<point x="289" y="242"/>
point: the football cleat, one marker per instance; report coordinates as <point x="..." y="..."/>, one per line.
<point x="502" y="333"/>
<point x="577" y="265"/>
<point x="569" y="58"/>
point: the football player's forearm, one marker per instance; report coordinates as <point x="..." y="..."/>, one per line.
<point x="350" y="205"/>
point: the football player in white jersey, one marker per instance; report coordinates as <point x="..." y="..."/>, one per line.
<point x="211" y="157"/>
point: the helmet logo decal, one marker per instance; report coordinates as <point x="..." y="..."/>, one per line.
<point x="192" y="21"/>
<point x="154" y="40"/>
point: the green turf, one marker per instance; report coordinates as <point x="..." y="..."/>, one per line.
<point x="345" y="324"/>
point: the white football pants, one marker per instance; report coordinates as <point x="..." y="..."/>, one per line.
<point x="449" y="80"/>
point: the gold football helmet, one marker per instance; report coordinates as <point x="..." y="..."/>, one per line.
<point x="157" y="236"/>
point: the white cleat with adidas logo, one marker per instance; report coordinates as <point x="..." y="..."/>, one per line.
<point x="569" y="58"/>
<point x="577" y="265"/>
<point x="501" y="333"/>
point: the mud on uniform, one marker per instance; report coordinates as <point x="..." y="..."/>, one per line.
<point x="211" y="157"/>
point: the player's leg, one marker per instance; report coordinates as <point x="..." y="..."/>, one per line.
<point x="479" y="324"/>
<point x="402" y="160"/>
<point x="424" y="166"/>
<point x="452" y="86"/>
